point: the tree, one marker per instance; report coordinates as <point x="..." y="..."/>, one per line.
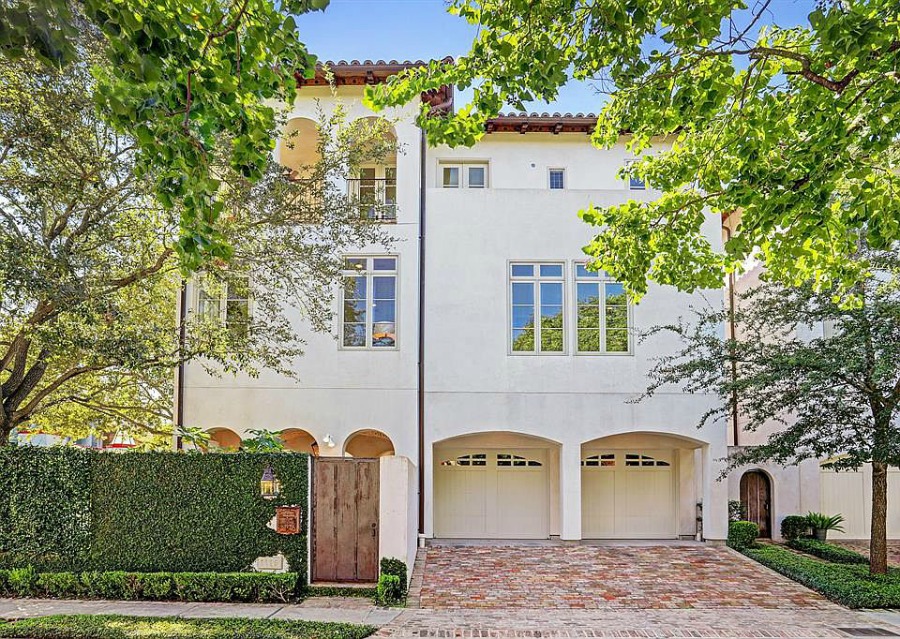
<point x="798" y="128"/>
<point x="90" y="275"/>
<point x="181" y="74"/>
<point x="834" y="397"/>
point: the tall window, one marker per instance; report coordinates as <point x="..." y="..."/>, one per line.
<point x="602" y="311"/>
<point x="536" y="307"/>
<point x="557" y="179"/>
<point x="226" y="301"/>
<point x="369" y="302"/>
<point x="375" y="190"/>
<point x="469" y="175"/>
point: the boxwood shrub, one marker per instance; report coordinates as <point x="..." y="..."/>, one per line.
<point x="794" y="527"/>
<point x="742" y="534"/>
<point x="847" y="584"/>
<point x="828" y="552"/>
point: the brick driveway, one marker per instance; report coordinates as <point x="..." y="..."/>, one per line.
<point x="604" y="577"/>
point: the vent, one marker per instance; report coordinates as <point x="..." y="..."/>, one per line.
<point x="869" y="632"/>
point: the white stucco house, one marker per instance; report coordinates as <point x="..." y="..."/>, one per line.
<point x="481" y="349"/>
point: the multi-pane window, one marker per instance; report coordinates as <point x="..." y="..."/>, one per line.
<point x="369" y="302"/>
<point x="634" y="183"/>
<point x="226" y="301"/>
<point x="375" y="191"/>
<point x="602" y="313"/>
<point x="557" y="179"/>
<point x="470" y="175"/>
<point x="536" y="307"/>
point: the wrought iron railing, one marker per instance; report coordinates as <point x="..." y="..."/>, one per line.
<point x="375" y="197"/>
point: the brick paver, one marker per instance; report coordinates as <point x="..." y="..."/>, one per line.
<point x="862" y="546"/>
<point x="604" y="577"/>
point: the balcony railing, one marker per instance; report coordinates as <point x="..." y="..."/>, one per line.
<point x="375" y="197"/>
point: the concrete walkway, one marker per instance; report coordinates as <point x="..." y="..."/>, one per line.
<point x="337" y="609"/>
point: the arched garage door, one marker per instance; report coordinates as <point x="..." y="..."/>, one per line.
<point x="628" y="494"/>
<point x="485" y="493"/>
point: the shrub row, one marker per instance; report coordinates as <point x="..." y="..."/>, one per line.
<point x="828" y="552"/>
<point x="157" y="586"/>
<point x="742" y="534"/>
<point x="850" y="585"/>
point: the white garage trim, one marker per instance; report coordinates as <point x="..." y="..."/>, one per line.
<point x="629" y="494"/>
<point x="492" y="493"/>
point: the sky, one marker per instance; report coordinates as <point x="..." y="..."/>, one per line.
<point x="422" y="29"/>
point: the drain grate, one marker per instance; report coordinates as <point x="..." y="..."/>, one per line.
<point x="869" y="632"/>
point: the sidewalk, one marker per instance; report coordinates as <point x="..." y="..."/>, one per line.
<point x="337" y="609"/>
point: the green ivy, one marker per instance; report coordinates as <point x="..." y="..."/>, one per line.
<point x="67" y="509"/>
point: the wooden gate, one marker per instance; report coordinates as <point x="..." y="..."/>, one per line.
<point x="756" y="499"/>
<point x="345" y="519"/>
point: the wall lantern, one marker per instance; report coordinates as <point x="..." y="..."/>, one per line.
<point x="269" y="484"/>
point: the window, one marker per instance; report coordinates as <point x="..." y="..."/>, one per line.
<point x="634" y="182"/>
<point x="602" y="313"/>
<point x="507" y="460"/>
<point x="605" y="460"/>
<point x="375" y="191"/>
<point x="369" y="302"/>
<point x="536" y="307"/>
<point x="226" y="301"/>
<point x="634" y="459"/>
<point x="469" y="175"/>
<point x="557" y="179"/>
<point x="474" y="459"/>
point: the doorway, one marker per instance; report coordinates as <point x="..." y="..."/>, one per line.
<point x="756" y="498"/>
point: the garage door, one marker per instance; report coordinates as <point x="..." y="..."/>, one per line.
<point x="850" y="494"/>
<point x="490" y="493"/>
<point x="627" y="495"/>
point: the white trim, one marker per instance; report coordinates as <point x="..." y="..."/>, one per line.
<point x="551" y="170"/>
<point x="462" y="166"/>
<point x="602" y="279"/>
<point x="536" y="279"/>
<point x="370" y="291"/>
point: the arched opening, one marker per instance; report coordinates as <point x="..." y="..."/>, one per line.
<point x="496" y="485"/>
<point x="374" y="185"/>
<point x="298" y="149"/>
<point x="756" y="500"/>
<point x="299" y="441"/>
<point x="223" y="440"/>
<point x="639" y="486"/>
<point x="368" y="443"/>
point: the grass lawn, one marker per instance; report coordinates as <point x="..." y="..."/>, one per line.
<point x="845" y="583"/>
<point x="119" y="627"/>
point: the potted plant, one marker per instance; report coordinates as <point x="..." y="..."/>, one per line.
<point x="821" y="524"/>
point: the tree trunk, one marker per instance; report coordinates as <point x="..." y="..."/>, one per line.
<point x="878" y="539"/>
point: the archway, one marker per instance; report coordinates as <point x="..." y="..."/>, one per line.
<point x="298" y="149"/>
<point x="756" y="500"/>
<point x="299" y="441"/>
<point x="368" y="443"/>
<point x="223" y="440"/>
<point x="374" y="186"/>
<point x="501" y="485"/>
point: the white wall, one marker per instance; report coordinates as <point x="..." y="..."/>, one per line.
<point x="398" y="518"/>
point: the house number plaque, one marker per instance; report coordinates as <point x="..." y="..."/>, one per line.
<point x="287" y="520"/>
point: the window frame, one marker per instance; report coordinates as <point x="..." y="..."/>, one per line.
<point x="602" y="280"/>
<point x="630" y="182"/>
<point x="223" y="300"/>
<point x="550" y="171"/>
<point x="536" y="280"/>
<point x="370" y="272"/>
<point x="463" y="167"/>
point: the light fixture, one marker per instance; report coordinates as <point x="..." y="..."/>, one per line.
<point x="269" y="485"/>
<point x="328" y="440"/>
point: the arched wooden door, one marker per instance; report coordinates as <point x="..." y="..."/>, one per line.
<point x="756" y="497"/>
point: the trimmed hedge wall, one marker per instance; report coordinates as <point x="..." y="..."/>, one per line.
<point x="828" y="552"/>
<point x="69" y="509"/>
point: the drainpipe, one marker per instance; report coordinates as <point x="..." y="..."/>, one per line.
<point x="733" y="333"/>
<point x="179" y="385"/>
<point x="421" y="357"/>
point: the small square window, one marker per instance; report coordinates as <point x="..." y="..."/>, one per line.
<point x="477" y="177"/>
<point x="557" y="179"/>
<point x="634" y="182"/>
<point x="450" y="178"/>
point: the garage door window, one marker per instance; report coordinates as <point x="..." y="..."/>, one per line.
<point x="507" y="460"/>
<point x="605" y="460"/>
<point x="475" y="459"/>
<point x="634" y="459"/>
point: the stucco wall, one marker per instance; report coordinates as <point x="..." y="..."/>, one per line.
<point x="397" y="512"/>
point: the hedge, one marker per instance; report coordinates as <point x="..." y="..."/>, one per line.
<point x="65" y="509"/>
<point x="742" y="534"/>
<point x="121" y="627"/>
<point x="828" y="552"/>
<point x="850" y="585"/>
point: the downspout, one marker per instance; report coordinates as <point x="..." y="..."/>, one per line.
<point x="733" y="335"/>
<point x="421" y="336"/>
<point x="179" y="384"/>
